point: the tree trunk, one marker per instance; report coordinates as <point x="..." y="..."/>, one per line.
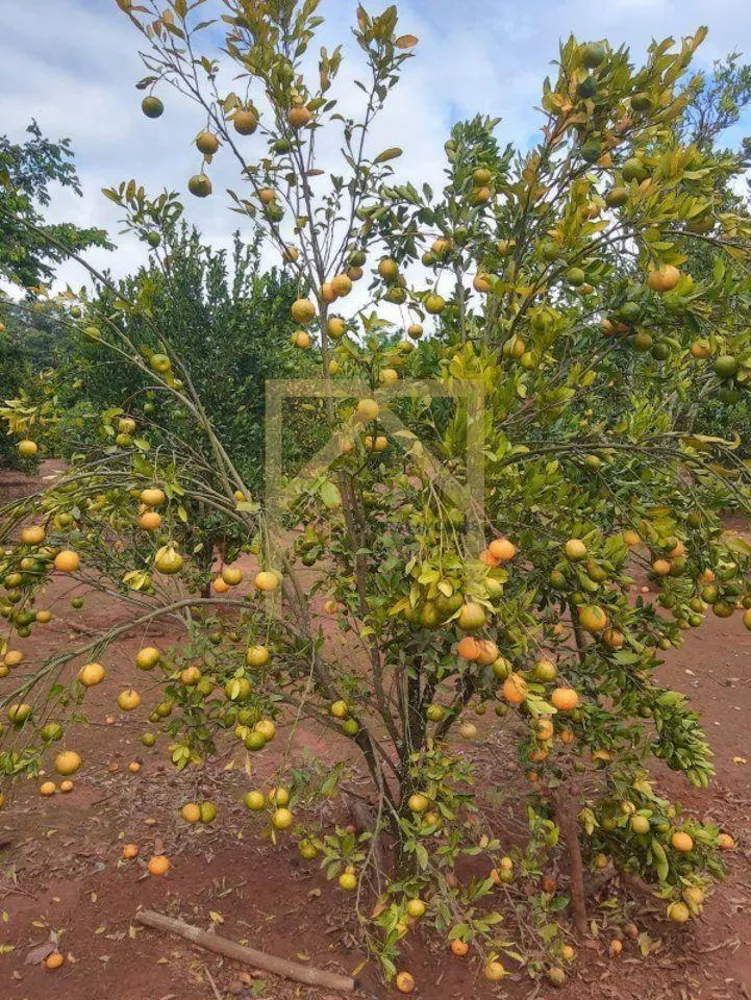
<point x="568" y="827"/>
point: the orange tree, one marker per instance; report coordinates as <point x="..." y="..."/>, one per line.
<point x="568" y="331"/>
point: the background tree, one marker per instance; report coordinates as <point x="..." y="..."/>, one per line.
<point x="550" y="271"/>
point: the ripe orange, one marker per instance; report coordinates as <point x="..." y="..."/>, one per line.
<point x="158" y="865"/>
<point x="502" y="549"/>
<point x="67" y="561"/>
<point x="13" y="658"/>
<point x="245" y="121"/>
<point x="190" y="812"/>
<point x="725" y="842"/>
<point x="459" y="948"/>
<point x="564" y="699"/>
<point x="66" y="786"/>
<point x="661" y="567"/>
<point x="257" y="656"/>
<point x="153" y="497"/>
<point x="664" y="279"/>
<point x="575" y="549"/>
<point x="33" y="535"/>
<point x="679" y="913"/>
<point x="282" y="819"/>
<point x="301" y="339"/>
<point x="147" y="658"/>
<point x="54" y="961"/>
<point x="631" y="538"/>
<point x="91" y="674"/>
<point x="67" y="762"/>
<point x="388" y="269"/>
<point x="468" y="648"/>
<point x="220" y="586"/>
<point x="150" y="520"/>
<point x="130" y="851"/>
<point x="615" y="947"/>
<point x="515" y="689"/>
<point x="128" y="700"/>
<point x="544" y="729"/>
<point x="134" y="767"/>
<point x="47" y="788"/>
<point x="593" y="618"/>
<point x="405" y="982"/>
<point x="207" y="143"/>
<point x="487" y="652"/>
<point x="299" y="117"/>
<point x="303" y="311"/>
<point x="266" y="581"/>
<point x="418" y="803"/>
<point x="342" y="285"/>
<point x="682" y="842"/>
<point x="367" y="410"/>
<point x="494" y="971"/>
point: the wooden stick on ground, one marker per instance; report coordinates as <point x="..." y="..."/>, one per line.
<point x="257" y="959"/>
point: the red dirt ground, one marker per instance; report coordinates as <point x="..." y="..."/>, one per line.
<point x="61" y="873"/>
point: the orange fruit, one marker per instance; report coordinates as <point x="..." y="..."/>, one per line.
<point x="494" y="971"/>
<point x="487" y="652"/>
<point x="13" y="658"/>
<point x="405" y="982"/>
<point x="67" y="561"/>
<point x="575" y="549"/>
<point x="471" y="617"/>
<point x="33" y="535"/>
<point x="158" y="865"/>
<point x="459" y="948"/>
<point x="220" y="586"/>
<point x="153" y="497"/>
<point x="725" y="842"/>
<point x="418" y="802"/>
<point x="367" y="410"/>
<point x="593" y="618"/>
<point x="257" y="656"/>
<point x="147" y="658"/>
<point x="66" y="786"/>
<point x="190" y="812"/>
<point x="416" y="908"/>
<point x="282" y="819"/>
<point x="679" y="913"/>
<point x="128" y="700"/>
<point x="514" y="689"/>
<point x="615" y="947"/>
<point x="67" y="762"/>
<point x="564" y="699"/>
<point x="266" y="581"/>
<point x="91" y="674"/>
<point x="27" y="448"/>
<point x="299" y="117"/>
<point x="150" y="520"/>
<point x="130" y="851"/>
<point x="54" y="961"/>
<point x="502" y="549"/>
<point x="134" y="767"/>
<point x="47" y="788"/>
<point x="682" y="842"/>
<point x="303" y="311"/>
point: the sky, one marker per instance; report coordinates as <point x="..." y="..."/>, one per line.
<point x="73" y="64"/>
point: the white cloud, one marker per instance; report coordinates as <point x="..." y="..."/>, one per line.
<point x="72" y="64"/>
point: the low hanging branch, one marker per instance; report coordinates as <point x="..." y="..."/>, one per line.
<point x="249" y="956"/>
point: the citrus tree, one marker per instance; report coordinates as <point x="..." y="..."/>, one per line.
<point x="506" y="454"/>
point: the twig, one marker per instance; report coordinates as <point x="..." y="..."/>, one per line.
<point x="217" y="994"/>
<point x="257" y="959"/>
